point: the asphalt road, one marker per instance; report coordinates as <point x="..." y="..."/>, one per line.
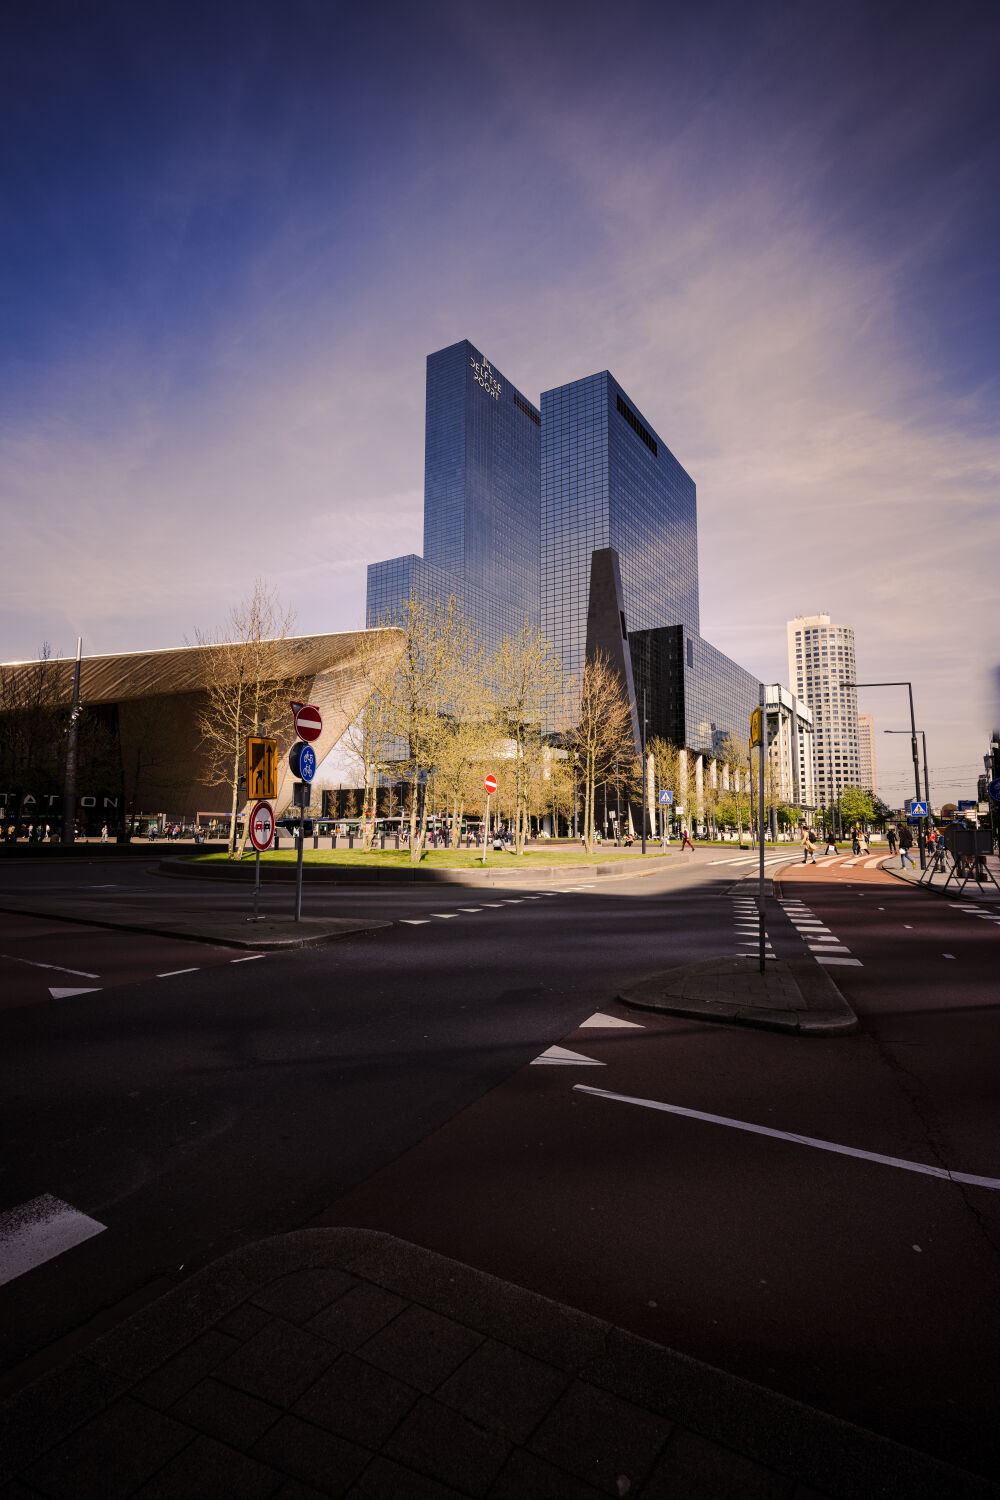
<point x="390" y="1081"/>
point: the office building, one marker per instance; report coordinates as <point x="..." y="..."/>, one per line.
<point x="610" y="481"/>
<point x="820" y="658"/>
<point x="867" y="771"/>
<point x="482" y="459"/>
<point x="790" y="748"/>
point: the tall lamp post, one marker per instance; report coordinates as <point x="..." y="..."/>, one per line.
<point x="927" y="794"/>
<point x="913" y="744"/>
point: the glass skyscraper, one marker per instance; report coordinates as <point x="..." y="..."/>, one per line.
<point x="482" y="460"/>
<point x="609" y="480"/>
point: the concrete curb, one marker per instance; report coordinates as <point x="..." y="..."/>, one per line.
<point x="989" y="893"/>
<point x="796" y="997"/>
<point x="657" y="1394"/>
<point x="360" y="875"/>
<point x="258" y="936"/>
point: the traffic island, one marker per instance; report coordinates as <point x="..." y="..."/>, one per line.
<point x="795" y="996"/>
<point x="227" y="929"/>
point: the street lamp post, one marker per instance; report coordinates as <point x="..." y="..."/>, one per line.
<point x="927" y="794"/>
<point x="913" y="745"/>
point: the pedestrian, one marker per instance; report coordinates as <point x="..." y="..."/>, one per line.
<point x="893" y="839"/>
<point x="686" y="841"/>
<point x="855" y="841"/>
<point x="808" y="846"/>
<point x="863" y="845"/>
<point x="104" y="833"/>
<point x="905" y="845"/>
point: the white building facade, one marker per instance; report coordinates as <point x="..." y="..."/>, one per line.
<point x="820" y="658"/>
<point x="790" y="748"/>
<point x="868" y="772"/>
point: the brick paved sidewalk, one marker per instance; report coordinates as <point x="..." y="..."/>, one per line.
<point x="346" y="1362"/>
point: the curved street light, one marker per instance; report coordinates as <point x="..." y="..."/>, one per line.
<point x="913" y="744"/>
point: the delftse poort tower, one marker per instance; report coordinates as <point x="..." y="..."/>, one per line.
<point x="481" y="501"/>
<point x="576" y="517"/>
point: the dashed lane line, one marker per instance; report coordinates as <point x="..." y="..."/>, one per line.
<point x="170" y="973"/>
<point x="247" y="958"/>
<point x="800" y="1140"/>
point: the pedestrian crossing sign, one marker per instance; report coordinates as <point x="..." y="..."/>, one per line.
<point x="666" y="798"/>
<point x="918" y="809"/>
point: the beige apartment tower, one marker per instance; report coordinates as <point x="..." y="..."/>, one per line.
<point x="820" y="658"/>
<point x="867" y="776"/>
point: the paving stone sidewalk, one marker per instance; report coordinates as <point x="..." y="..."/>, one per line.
<point x="347" y="1362"/>
<point x="984" y="890"/>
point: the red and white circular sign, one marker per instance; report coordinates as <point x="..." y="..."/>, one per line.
<point x="261" y="826"/>
<point x="308" y="722"/>
<point x="490" y="783"/>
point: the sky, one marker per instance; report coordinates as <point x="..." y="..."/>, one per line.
<point x="231" y="233"/>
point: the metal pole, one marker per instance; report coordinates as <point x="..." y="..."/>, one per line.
<point x="916" y="777"/>
<point x="760" y="817"/>
<point x="299" y="785"/>
<point x="486" y="830"/>
<point x="69" y="785"/>
<point x="645" y="773"/>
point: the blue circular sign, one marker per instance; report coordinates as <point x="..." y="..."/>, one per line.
<point x="302" y="761"/>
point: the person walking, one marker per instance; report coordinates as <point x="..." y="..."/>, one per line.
<point x="905" y="845"/>
<point x="893" y="839"/>
<point x="831" y="843"/>
<point x="808" y="846"/>
<point x="686" y="841"/>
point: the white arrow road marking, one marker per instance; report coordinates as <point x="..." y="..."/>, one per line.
<point x="801" y="1140"/>
<point x="560" y="1056"/>
<point x="58" y="993"/>
<point x="600" y="1019"/>
<point x="38" y="1231"/>
<point x="12" y="958"/>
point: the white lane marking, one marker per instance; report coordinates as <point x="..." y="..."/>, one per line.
<point x="444" y="915"/>
<point x="947" y="955"/>
<point x="12" y="958"/>
<point x="873" y="864"/>
<point x="416" y="921"/>
<point x="470" y="909"/>
<point x="828" y="948"/>
<point x="248" y="958"/>
<point x="907" y="926"/>
<point x="801" y="1140"/>
<point x="562" y="1057"/>
<point x="600" y="1019"/>
<point x="38" y="1231"/>
<point x="492" y="905"/>
<point x="514" y="901"/>
<point x="532" y="898"/>
<point x="171" y="972"/>
<point x="59" y="993"/>
<point x="822" y="958"/>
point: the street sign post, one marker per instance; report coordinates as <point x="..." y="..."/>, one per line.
<point x="262" y="767"/>
<point x="261" y="829"/>
<point x="308" y="721"/>
<point x="261" y="826"/>
<point x="490" y="785"/>
<point x="302" y="761"/>
<point x="666" y="801"/>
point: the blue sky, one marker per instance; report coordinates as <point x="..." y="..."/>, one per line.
<point x="232" y="233"/>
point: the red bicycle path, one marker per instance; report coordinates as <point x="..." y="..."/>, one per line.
<point x="862" y="1289"/>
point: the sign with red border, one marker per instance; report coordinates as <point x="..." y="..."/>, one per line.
<point x="261" y="826"/>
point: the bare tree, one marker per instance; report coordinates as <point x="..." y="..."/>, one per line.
<point x="525" y="676"/>
<point x="434" y="684"/>
<point x="603" y="729"/>
<point x="245" y="687"/>
<point x="734" y="754"/>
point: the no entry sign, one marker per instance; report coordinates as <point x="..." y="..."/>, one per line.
<point x="261" y="826"/>
<point x="308" y="721"/>
<point x="490" y="783"/>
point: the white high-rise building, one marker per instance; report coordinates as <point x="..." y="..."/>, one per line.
<point x="820" y="658"/>
<point x="868" y="777"/>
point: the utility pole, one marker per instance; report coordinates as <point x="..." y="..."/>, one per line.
<point x="69" y="785"/>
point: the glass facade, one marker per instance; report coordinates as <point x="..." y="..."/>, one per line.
<point x="695" y="696"/>
<point x="609" y="480"/>
<point x="481" y="500"/>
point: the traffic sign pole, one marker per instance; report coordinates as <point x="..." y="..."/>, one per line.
<point x="489" y="786"/>
<point x="762" y="731"/>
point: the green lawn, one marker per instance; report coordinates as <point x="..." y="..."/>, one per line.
<point x="447" y="859"/>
